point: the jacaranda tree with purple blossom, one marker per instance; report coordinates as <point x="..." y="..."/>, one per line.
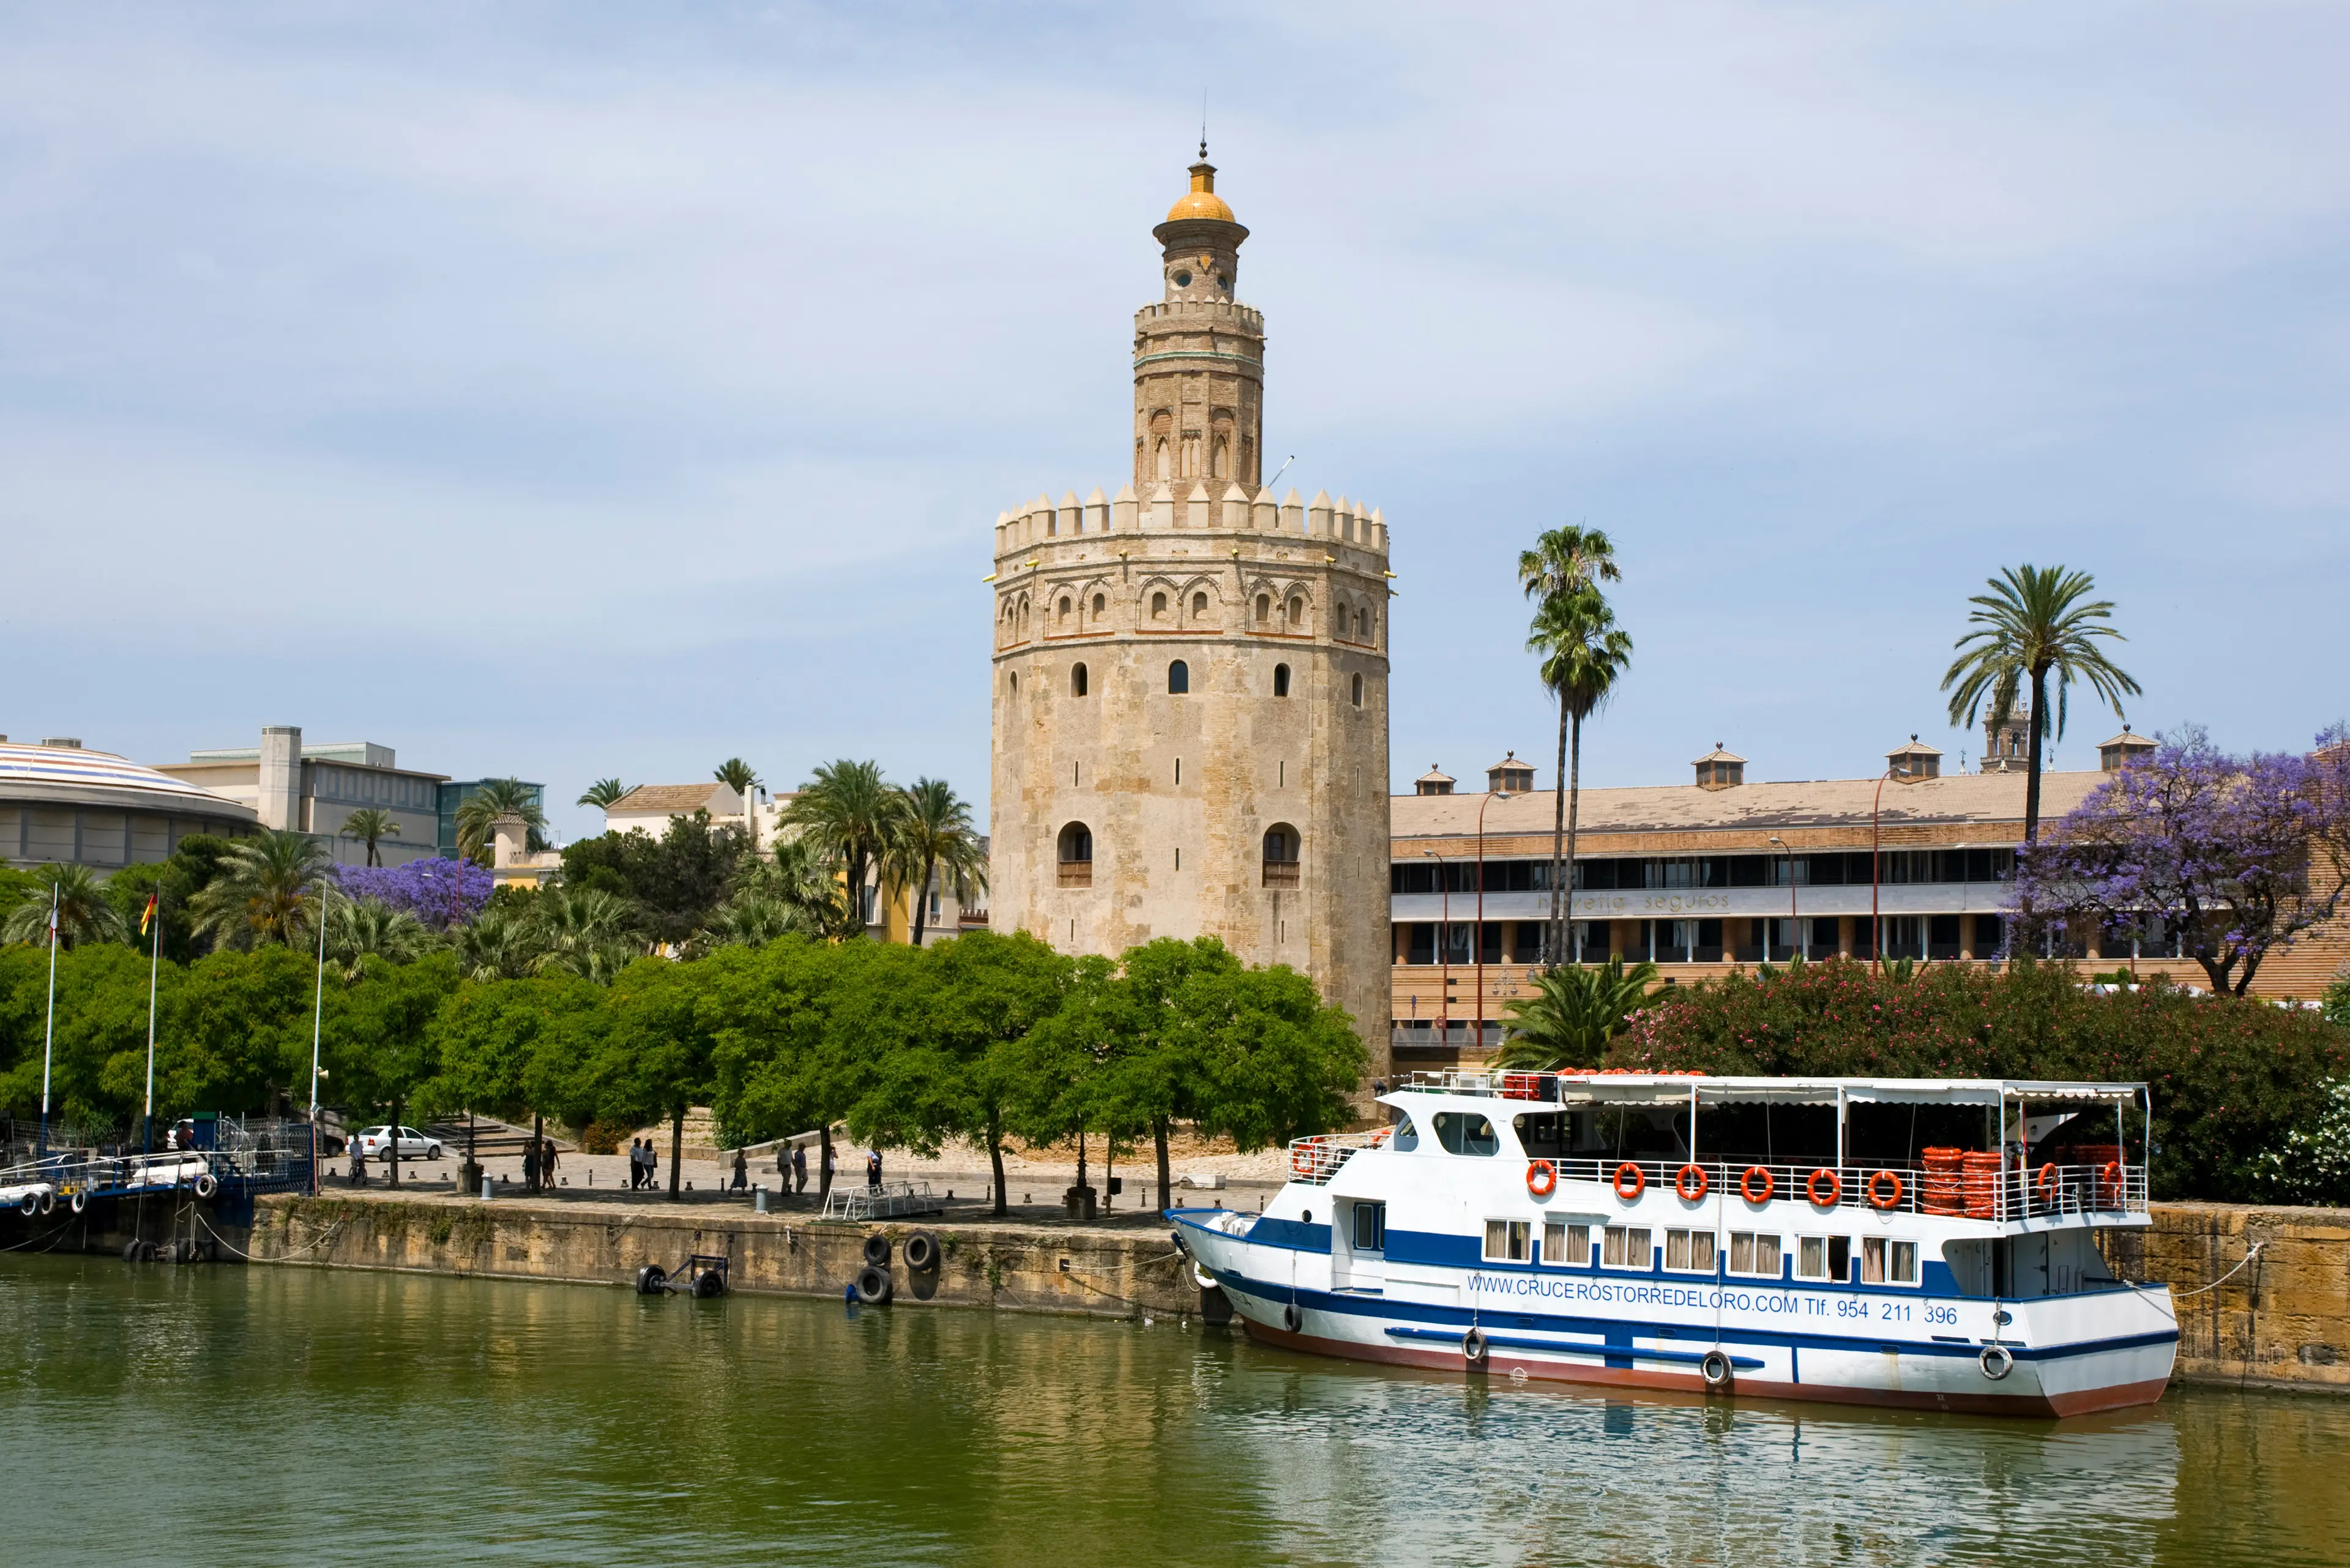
<point x="2239" y="855"/>
<point x="440" y="893"/>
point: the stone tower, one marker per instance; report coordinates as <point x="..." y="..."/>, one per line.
<point x="1190" y="679"/>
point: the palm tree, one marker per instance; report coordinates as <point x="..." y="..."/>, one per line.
<point x="369" y="825"/>
<point x="357" y="929"/>
<point x="264" y="890"/>
<point x="492" y="801"/>
<point x="801" y="879"/>
<point x="738" y="776"/>
<point x="584" y="931"/>
<point x="935" y="839"/>
<point x="1583" y="657"/>
<point x="602" y="793"/>
<point x="496" y="946"/>
<point x="1565" y="566"/>
<point x="851" y="814"/>
<point x="84" y="913"/>
<point x="2033" y="623"/>
<point x="1572" y="1016"/>
<point x="752" y="920"/>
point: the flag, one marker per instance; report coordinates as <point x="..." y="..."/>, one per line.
<point x="147" y="915"/>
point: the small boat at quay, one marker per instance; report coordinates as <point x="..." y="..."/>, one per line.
<point x="1932" y="1243"/>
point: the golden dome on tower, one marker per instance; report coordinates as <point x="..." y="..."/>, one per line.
<point x="1202" y="201"/>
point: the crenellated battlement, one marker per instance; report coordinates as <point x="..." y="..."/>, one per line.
<point x="1176" y="509"/>
<point x="1245" y="317"/>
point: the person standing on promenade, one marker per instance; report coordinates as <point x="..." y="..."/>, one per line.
<point x="873" y="1168"/>
<point x="546" y="1162"/>
<point x="636" y="1163"/>
<point x="652" y="1166"/>
<point x="741" y="1171"/>
<point x="799" y="1167"/>
<point x="530" y="1164"/>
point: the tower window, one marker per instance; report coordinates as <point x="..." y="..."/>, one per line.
<point x="1077" y="855"/>
<point x="1159" y="607"/>
<point x="1297" y="612"/>
<point x="1165" y="461"/>
<point x="1198" y="607"/>
<point x="1179" y="679"/>
<point x="1358" y="691"/>
<point x="1077" y="680"/>
<point x="1012" y="682"/>
<point x="1099" y="604"/>
<point x="1281" y="849"/>
<point x="1264" y="608"/>
<point x="1281" y="681"/>
<point x="1219" y="462"/>
<point x="1065" y="609"/>
<point x="1183" y="280"/>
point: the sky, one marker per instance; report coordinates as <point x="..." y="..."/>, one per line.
<point x="577" y="389"/>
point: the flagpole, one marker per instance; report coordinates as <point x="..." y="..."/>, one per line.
<point x="49" y="1032"/>
<point x="154" y="963"/>
<point x="318" y="1022"/>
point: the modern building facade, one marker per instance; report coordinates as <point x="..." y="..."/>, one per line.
<point x="1720" y="872"/>
<point x="1190" y="679"/>
<point x="64" y="804"/>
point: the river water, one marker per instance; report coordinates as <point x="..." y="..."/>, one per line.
<point x="232" y="1415"/>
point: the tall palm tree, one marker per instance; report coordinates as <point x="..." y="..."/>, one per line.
<point x="1572" y="1016"/>
<point x="497" y="945"/>
<point x="750" y="919"/>
<point x="851" y="814"/>
<point x="585" y="931"/>
<point x="935" y="839"/>
<point x="1565" y="566"/>
<point x="801" y="879"/>
<point x="264" y="890"/>
<point x="1584" y="654"/>
<point x="369" y="827"/>
<point x="494" y="800"/>
<point x="2034" y="622"/>
<point x="84" y="913"/>
<point x="357" y="929"/>
<point x="602" y="793"/>
<point x="742" y="778"/>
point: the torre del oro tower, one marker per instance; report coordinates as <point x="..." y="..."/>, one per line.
<point x="1191" y="681"/>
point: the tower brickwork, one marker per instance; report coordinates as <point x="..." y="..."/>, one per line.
<point x="1190" y="677"/>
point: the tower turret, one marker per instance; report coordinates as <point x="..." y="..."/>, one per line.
<point x="1199" y="354"/>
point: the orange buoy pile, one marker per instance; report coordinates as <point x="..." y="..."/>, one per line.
<point x="1944" y="1168"/>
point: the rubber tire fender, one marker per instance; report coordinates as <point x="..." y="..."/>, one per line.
<point x="79" y="1201"/>
<point x="207" y="1184"/>
<point x="873" y="1286"/>
<point x="48" y="1201"/>
<point x="877" y="1250"/>
<point x="1473" y="1349"/>
<point x="1291" y="1318"/>
<point x="709" y="1284"/>
<point x="921" y="1252"/>
<point x="29" y="1205"/>
<point x="1714" y="1369"/>
<point x="652" y="1279"/>
<point x="131" y="1251"/>
<point x="2005" y="1357"/>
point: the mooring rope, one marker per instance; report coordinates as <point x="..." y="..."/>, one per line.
<point x="2223" y="1279"/>
<point x="326" y="1236"/>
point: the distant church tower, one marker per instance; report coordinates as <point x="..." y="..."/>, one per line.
<point x="1190" y="696"/>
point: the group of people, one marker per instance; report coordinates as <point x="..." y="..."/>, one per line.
<point x="643" y="1164"/>
<point x="538" y="1163"/>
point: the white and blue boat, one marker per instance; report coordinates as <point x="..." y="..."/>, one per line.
<point x="1932" y="1243"/>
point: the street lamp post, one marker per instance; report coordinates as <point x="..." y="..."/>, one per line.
<point x="1876" y="868"/>
<point x="1794" y="930"/>
<point x="1443" y="950"/>
<point x="1490" y="796"/>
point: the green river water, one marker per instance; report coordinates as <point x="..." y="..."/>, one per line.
<point x="233" y="1415"/>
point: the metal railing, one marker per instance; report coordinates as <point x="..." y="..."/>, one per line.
<point x="2008" y="1193"/>
<point x="888" y="1200"/>
<point x="1314" y="1161"/>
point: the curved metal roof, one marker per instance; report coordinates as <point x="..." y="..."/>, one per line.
<point x="72" y="775"/>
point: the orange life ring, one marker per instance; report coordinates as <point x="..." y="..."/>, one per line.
<point x="1746" y="1185"/>
<point x="1300" y="1157"/>
<point x="1639" y="1181"/>
<point x="1682" y="1179"/>
<point x="2046" y="1180"/>
<point x="1835" y="1188"/>
<point x="1895" y="1201"/>
<point x="1541" y="1178"/>
<point x="2110" y="1175"/>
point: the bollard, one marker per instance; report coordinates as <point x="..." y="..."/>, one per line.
<point x="486" y="1190"/>
<point x="758" y="1201"/>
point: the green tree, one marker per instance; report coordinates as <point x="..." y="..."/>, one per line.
<point x="2034" y="622"/>
<point x="978" y="1056"/>
<point x="799" y="877"/>
<point x="654" y="1058"/>
<point x="1572" y="1014"/>
<point x="935" y="838"/>
<point x="371" y="827"/>
<point x="768" y="1011"/>
<point x="381" y="1037"/>
<point x="587" y="932"/>
<point x="264" y="891"/>
<point x="1280" y="1063"/>
<point x="1161" y="1015"/>
<point x="675" y="882"/>
<point x="83" y="911"/>
<point x="497" y="945"/>
<point x="492" y="802"/>
<point x="852" y="814"/>
<point x="743" y="780"/>
<point x="748" y="919"/>
<point x="368" y="928"/>
<point x="1583" y="657"/>
<point x="602" y="793"/>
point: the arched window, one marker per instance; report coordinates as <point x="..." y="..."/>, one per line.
<point x="1178" y="678"/>
<point x="1064" y="611"/>
<point x="1198" y="607"/>
<point x="1358" y="691"/>
<point x="1076" y="857"/>
<point x="1264" y="608"/>
<point x="1221" y="462"/>
<point x="1011" y="683"/>
<point x="1281" y="847"/>
<point x="1165" y="461"/>
<point x="1076" y="681"/>
<point x="1281" y="681"/>
<point x="1100" y="604"/>
<point x="1297" y="612"/>
<point x="1159" y="607"/>
<point x="1362" y="625"/>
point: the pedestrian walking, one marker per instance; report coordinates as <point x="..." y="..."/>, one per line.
<point x="741" y="1171"/>
<point x="636" y="1163"/>
<point x="530" y="1164"/>
<point x="873" y="1168"/>
<point x="359" y="1164"/>
<point x="652" y="1165"/>
<point x="799" y="1167"/>
<point x="546" y="1161"/>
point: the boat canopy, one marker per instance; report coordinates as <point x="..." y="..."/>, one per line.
<point x="1678" y="1088"/>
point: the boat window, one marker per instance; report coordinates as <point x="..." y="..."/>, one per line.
<point x="1465" y="1132"/>
<point x="1840" y="1258"/>
<point x="1691" y="1249"/>
<point x="1887" y="1262"/>
<point x="1625" y="1246"/>
<point x="1567" y="1245"/>
<point x="1508" y="1240"/>
<point x="1872" y="1259"/>
<point x="1407" y="1137"/>
<point x="1753" y="1254"/>
<point x="1539" y="1135"/>
<point x="1812" y="1258"/>
<point x="1370" y="1227"/>
<point x="1904" y="1262"/>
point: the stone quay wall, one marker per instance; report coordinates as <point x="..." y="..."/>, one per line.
<point x="2282" y="1320"/>
<point x="1096" y="1271"/>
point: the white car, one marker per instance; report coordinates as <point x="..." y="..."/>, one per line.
<point x="376" y="1143"/>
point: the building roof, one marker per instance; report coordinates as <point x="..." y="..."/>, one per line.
<point x="673" y="800"/>
<point x="1513" y="762"/>
<point x="1916" y="748"/>
<point x="1821" y="803"/>
<point x="67" y="775"/>
<point x="1201" y="201"/>
<point x="1719" y="755"/>
<point x="2125" y="739"/>
<point x="1435" y="775"/>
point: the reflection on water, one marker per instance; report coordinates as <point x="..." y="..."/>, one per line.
<point x="279" y="1415"/>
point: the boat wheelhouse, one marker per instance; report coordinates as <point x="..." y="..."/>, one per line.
<point x="1926" y="1243"/>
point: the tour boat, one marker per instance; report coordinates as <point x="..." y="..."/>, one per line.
<point x="1932" y="1243"/>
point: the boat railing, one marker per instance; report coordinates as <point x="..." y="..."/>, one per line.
<point x="1986" y="1190"/>
<point x="1314" y="1161"/>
